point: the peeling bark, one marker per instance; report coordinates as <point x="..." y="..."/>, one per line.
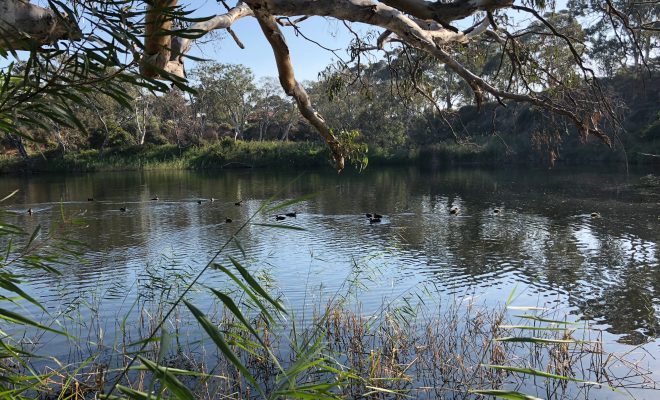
<point x="157" y="42"/>
<point x="24" y="26"/>
<point x="446" y="12"/>
<point x="164" y="53"/>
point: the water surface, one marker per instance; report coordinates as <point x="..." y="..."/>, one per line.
<point x="529" y="230"/>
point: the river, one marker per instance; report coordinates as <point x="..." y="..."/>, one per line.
<point x="583" y="241"/>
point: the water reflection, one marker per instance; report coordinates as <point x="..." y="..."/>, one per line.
<point x="543" y="235"/>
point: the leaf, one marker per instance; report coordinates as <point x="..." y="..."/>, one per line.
<point x="530" y="371"/>
<point x="246" y="290"/>
<point x="239" y="245"/>
<point x="291" y="202"/>
<point x="8" y="285"/>
<point x="535" y="318"/>
<point x="505" y="394"/>
<point x="375" y="389"/>
<point x="533" y="328"/>
<point x="229" y="303"/>
<point x="216" y="336"/>
<point x="255" y="285"/>
<point x="510" y="299"/>
<point x="131" y="393"/>
<point x="294" y="228"/>
<point x="9" y="195"/>
<point x="535" y="340"/>
<point x="183" y="372"/>
<point x="169" y="380"/>
<point x="34" y="235"/>
<point x="19" y="319"/>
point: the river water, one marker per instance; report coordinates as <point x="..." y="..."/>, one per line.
<point x="585" y="241"/>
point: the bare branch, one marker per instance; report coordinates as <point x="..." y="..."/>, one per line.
<point x="161" y="55"/>
<point x="292" y="87"/>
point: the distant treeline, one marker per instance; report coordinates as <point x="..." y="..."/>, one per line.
<point x="213" y="127"/>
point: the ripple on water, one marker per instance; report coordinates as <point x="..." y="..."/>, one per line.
<point x="547" y="244"/>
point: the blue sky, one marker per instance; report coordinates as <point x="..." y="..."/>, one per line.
<point x="307" y="57"/>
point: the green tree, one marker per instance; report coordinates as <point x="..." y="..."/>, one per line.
<point x="627" y="33"/>
<point x="226" y="94"/>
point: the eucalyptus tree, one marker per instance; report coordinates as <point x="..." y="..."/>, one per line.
<point x="620" y="32"/>
<point x="268" y="102"/>
<point x="439" y="29"/>
<point x="365" y="102"/>
<point x="226" y="93"/>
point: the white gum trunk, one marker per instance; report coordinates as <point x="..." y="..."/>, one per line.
<point x="24" y="25"/>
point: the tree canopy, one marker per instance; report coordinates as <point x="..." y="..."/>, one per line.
<point x="488" y="50"/>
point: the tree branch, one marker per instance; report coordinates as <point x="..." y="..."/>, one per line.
<point x="292" y="87"/>
<point x="22" y="25"/>
<point x="161" y="55"/>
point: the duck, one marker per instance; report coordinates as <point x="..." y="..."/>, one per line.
<point x="29" y="211"/>
<point x="212" y="199"/>
<point x="496" y="211"/>
<point x="90" y="199"/>
<point x="377" y="216"/>
<point x="368" y="215"/>
<point x="280" y="217"/>
<point x="291" y="214"/>
<point x="199" y="201"/>
<point x="239" y="203"/>
<point x="123" y="209"/>
<point x="454" y="210"/>
<point x="595" y="215"/>
<point x="374" y="220"/>
<point x="155" y="198"/>
<point x="228" y="221"/>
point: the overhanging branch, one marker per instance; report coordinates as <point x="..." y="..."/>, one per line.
<point x="292" y="87"/>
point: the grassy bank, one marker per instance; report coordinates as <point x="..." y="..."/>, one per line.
<point x="226" y="154"/>
<point x="229" y="154"/>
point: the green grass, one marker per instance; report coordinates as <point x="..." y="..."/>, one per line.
<point x="302" y="155"/>
<point x="226" y="154"/>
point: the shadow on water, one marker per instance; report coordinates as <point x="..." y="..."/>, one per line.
<point x="586" y="238"/>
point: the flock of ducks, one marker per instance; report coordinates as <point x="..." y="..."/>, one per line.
<point x="278" y="217"/>
<point x="373" y="218"/>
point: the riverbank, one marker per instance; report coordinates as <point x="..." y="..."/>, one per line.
<point x="229" y="154"/>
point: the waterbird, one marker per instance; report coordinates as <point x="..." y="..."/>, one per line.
<point x="595" y="215"/>
<point x="29" y="211"/>
<point x="496" y="211"/>
<point x="378" y="216"/>
<point x="90" y="199"/>
<point x="454" y="210"/>
<point x="212" y="199"/>
<point x="291" y="214"/>
<point x="239" y="203"/>
<point x="228" y="221"/>
<point x="199" y="202"/>
<point x="374" y="220"/>
<point x="155" y="198"/>
<point x="122" y="209"/>
<point x="280" y="217"/>
<point x="369" y="215"/>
